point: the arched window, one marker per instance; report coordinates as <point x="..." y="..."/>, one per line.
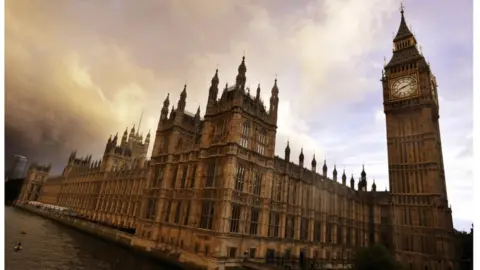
<point x="179" y="144"/>
<point x="244" y="135"/>
<point x="261" y="140"/>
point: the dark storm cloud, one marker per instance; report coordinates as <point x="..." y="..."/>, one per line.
<point x="77" y="71"/>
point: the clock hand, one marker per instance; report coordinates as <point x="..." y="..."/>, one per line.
<point x="402" y="87"/>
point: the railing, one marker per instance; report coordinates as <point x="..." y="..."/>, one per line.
<point x="304" y="264"/>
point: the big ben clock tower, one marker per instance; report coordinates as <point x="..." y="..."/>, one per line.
<point x="422" y="227"/>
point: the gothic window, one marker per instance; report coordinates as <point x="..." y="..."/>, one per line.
<point x="192" y="176"/>
<point x="274" y="224"/>
<point x="329" y="232"/>
<point x="239" y="180"/>
<point x="206" y="221"/>
<point x="294" y="194"/>
<point x="213" y="132"/>
<point x="290" y="227"/>
<point x="223" y="128"/>
<point x="232" y="252"/>
<point x="161" y="145"/>
<point x="254" y="216"/>
<point x="187" y="213"/>
<point x="198" y="135"/>
<point x="235" y="218"/>
<point x="339" y="235"/>
<point x="220" y="131"/>
<point x="317" y="231"/>
<point x="277" y="190"/>
<point x="174" y="178"/>
<point x="179" y="144"/>
<point x="348" y="236"/>
<point x="244" y="136"/>
<point x="261" y="142"/>
<point x="177" y="212"/>
<point x="257" y="184"/>
<point x="288" y="192"/>
<point x="184" y="176"/>
<point x="167" y="211"/>
<point x="211" y="171"/>
<point x="158" y="177"/>
<point x="304" y="229"/>
<point x="358" y="240"/>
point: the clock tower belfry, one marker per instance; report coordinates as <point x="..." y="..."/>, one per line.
<point x="422" y="227"/>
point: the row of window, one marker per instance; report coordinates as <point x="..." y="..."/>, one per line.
<point x="180" y="215"/>
<point x="248" y="223"/>
<point x="421" y="213"/>
<point x="421" y="243"/>
<point x="118" y="207"/>
<point x="303" y="195"/>
<point x="159" y="174"/>
<point x="245" y="137"/>
<point x="236" y="219"/>
<point x="404" y="67"/>
<point x="402" y="44"/>
<point x="256" y="186"/>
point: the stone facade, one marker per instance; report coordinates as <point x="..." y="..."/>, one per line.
<point x="36" y="177"/>
<point x="50" y="190"/>
<point x="215" y="190"/>
<point x="422" y="228"/>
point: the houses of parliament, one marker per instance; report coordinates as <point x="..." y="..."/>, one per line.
<point x="214" y="189"/>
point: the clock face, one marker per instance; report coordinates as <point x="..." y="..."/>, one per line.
<point x="404" y="87"/>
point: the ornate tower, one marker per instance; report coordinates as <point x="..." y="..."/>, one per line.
<point x="422" y="222"/>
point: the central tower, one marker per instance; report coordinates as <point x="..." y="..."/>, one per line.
<point x="422" y="221"/>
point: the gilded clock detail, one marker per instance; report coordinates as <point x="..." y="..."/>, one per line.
<point x="403" y="87"/>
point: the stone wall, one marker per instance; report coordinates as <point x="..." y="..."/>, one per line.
<point x="50" y="190"/>
<point x="169" y="258"/>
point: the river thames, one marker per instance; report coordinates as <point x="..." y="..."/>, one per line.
<point x="51" y="246"/>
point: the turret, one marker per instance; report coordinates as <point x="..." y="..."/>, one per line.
<point x="287" y="152"/>
<point x="374" y="187"/>
<point x="147" y="139"/>
<point x="241" y="76"/>
<point x="344" y="178"/>
<point x="314" y="164"/>
<point x="172" y="112"/>
<point x="324" y="169"/>
<point x="352" y="183"/>
<point x="164" y="112"/>
<point x="131" y="136"/>
<point x="335" y="173"/>
<point x="197" y="114"/>
<point x="257" y="97"/>
<point x="213" y="91"/>
<point x="115" y="139"/>
<point x="363" y="178"/>
<point x="273" y="111"/>
<point x="182" y="102"/>
<point x="124" y="137"/>
<point x="73" y="154"/>
<point x="301" y="158"/>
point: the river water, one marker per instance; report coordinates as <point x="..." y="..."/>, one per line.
<point x="51" y="246"/>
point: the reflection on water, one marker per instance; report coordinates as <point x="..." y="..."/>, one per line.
<point x="48" y="245"/>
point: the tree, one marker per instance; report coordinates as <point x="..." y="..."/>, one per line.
<point x="373" y="258"/>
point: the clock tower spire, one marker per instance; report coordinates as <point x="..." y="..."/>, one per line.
<point x="421" y="218"/>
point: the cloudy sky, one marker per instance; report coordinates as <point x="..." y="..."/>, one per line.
<point x="78" y="71"/>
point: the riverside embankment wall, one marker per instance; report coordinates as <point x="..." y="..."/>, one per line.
<point x="170" y="258"/>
